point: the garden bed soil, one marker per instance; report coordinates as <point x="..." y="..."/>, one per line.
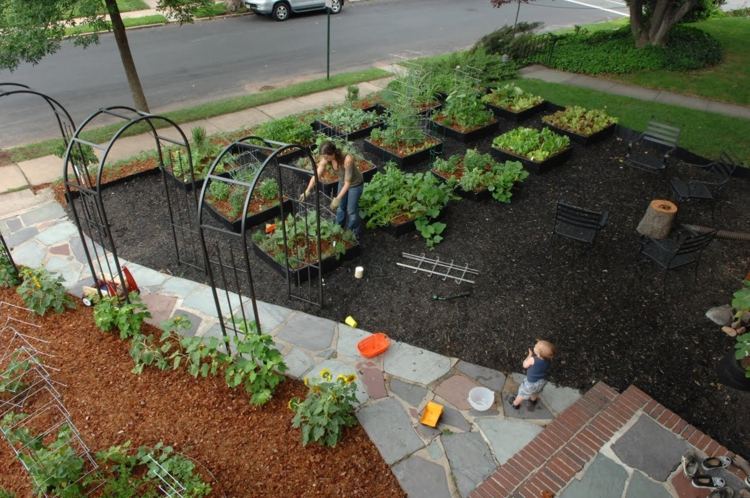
<point x="584" y="139"/>
<point x="610" y="314"/>
<point x="476" y="195"/>
<point x="331" y="131"/>
<point x="537" y="167"/>
<point x="252" y="451"/>
<point x="404" y="158"/>
<point x="258" y="211"/>
<point x="462" y="134"/>
<point x="515" y="116"/>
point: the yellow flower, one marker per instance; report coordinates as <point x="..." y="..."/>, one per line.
<point x="315" y="389"/>
<point x="350" y="378"/>
<point x="325" y="374"/>
<point x="341" y="378"/>
<point x="36" y="282"/>
<point x="306" y="381"/>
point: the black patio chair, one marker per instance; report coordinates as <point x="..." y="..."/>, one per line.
<point x="577" y="223"/>
<point x="706" y="190"/>
<point x="651" y="150"/>
<point x="671" y="254"/>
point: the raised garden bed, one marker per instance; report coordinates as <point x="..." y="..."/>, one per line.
<point x="326" y="128"/>
<point x="303" y="251"/>
<point x="407" y="156"/>
<point x="258" y="211"/>
<point x="478" y="176"/>
<point x="512" y="103"/>
<point x="538" y="151"/>
<point x="462" y="134"/>
<point x="583" y="126"/>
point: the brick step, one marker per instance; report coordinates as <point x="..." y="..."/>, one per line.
<point x="549" y="461"/>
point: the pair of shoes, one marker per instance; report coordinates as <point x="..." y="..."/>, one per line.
<point x="722" y="493"/>
<point x="690" y="463"/>
<point x="533" y="402"/>
<point x="510" y="399"/>
<point x="710" y="482"/>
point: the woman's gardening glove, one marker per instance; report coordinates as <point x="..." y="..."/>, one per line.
<point x="335" y="203"/>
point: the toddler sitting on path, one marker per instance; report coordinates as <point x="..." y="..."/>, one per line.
<point x="537" y="365"/>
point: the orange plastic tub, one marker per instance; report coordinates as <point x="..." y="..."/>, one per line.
<point x="376" y="344"/>
<point x="431" y="414"/>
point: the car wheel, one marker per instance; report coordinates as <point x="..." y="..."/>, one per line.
<point x="281" y="11"/>
<point x="336" y="6"/>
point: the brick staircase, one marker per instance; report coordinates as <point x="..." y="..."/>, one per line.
<point x="551" y="460"/>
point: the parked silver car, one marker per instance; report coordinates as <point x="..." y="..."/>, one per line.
<point x="281" y="9"/>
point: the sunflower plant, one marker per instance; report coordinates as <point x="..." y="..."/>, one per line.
<point x="327" y="409"/>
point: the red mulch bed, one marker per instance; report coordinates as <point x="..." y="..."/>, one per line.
<point x="252" y="451"/>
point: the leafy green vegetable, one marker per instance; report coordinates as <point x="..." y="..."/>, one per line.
<point x="531" y="143"/>
<point x="464" y="109"/>
<point x="346" y="119"/>
<point x="580" y="120"/>
<point x="512" y="98"/>
<point x="289" y="130"/>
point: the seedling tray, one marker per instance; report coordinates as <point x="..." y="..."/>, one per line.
<point x="252" y="220"/>
<point x="533" y="166"/>
<point x="468" y="136"/>
<point x="303" y="273"/>
<point x="405" y="161"/>
<point x="584" y="139"/>
<point x="503" y="113"/>
<point x="329" y="130"/>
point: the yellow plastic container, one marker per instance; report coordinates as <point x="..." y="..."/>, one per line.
<point x="431" y="414"/>
<point x="351" y="322"/>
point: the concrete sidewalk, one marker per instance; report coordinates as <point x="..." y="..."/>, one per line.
<point x="637" y="92"/>
<point x="46" y="169"/>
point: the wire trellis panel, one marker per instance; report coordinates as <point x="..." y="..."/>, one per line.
<point x="434" y="266"/>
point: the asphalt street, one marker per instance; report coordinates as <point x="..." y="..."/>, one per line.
<point x="185" y="65"/>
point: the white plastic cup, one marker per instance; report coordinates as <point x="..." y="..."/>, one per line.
<point x="359" y="272"/>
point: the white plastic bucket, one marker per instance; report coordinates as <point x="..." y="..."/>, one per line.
<point x="481" y="398"/>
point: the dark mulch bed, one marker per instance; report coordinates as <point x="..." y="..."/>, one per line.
<point x="607" y="311"/>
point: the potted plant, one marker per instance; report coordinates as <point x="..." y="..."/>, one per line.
<point x="405" y="201"/>
<point x="583" y="125"/>
<point x="478" y="175"/>
<point x="512" y="102"/>
<point x="329" y="180"/>
<point x="336" y="244"/>
<point x="734" y="368"/>
<point x="537" y="150"/>
<point x="463" y="116"/>
<point x="403" y="140"/>
<point x="346" y="121"/>
<point x="225" y="200"/>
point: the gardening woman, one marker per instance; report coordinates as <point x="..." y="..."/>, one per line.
<point x="346" y="202"/>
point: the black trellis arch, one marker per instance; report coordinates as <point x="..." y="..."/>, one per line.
<point x="243" y="168"/>
<point x="83" y="188"/>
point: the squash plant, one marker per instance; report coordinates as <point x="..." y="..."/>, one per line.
<point x="393" y="197"/>
<point x="512" y="98"/>
<point x="463" y="109"/>
<point x="347" y="119"/>
<point x="579" y="120"/>
<point x="301" y="236"/>
<point x="531" y="143"/>
<point x="476" y="172"/>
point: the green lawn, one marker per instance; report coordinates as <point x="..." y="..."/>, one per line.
<point x="704" y="133"/>
<point x="210" y="109"/>
<point x="129" y="23"/>
<point x="728" y="81"/>
<point x="131" y="5"/>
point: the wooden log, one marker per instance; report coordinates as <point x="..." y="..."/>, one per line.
<point x="657" y="222"/>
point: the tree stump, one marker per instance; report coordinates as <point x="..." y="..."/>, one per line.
<point x="657" y="222"/>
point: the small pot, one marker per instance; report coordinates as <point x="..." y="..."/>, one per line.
<point x="731" y="373"/>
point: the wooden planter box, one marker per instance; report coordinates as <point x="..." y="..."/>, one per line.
<point x="468" y="136"/>
<point x="253" y="219"/>
<point x="584" y="139"/>
<point x="533" y="166"/>
<point x="503" y="113"/>
<point x="302" y="274"/>
<point x="323" y="127"/>
<point x="403" y="161"/>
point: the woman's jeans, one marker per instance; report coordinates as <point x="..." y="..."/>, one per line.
<point x="349" y="210"/>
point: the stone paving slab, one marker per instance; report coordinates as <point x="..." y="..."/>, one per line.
<point x="15" y="239"/>
<point x="526" y="411"/>
<point x="491" y="379"/>
<point x="298" y="363"/>
<point x="507" y="436"/>
<point x="422" y="479"/>
<point x="641" y="486"/>
<point x="271" y="315"/>
<point x="308" y="332"/>
<point x="389" y="428"/>
<point x="603" y="479"/>
<point x="650" y="448"/>
<point x="30" y="253"/>
<point x="470" y="459"/>
<point x="177" y="286"/>
<point x="348" y="338"/>
<point x="455" y="390"/>
<point x="161" y="308"/>
<point x="558" y="399"/>
<point x="413" y="394"/>
<point x="60" y="232"/>
<point x="195" y="322"/>
<point x="45" y="212"/>
<point x="415" y="364"/>
<point x="45" y="169"/>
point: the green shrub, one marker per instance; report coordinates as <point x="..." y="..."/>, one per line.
<point x="8" y="271"/>
<point x="488" y="69"/>
<point x="128" y="318"/>
<point x="42" y="291"/>
<point x="614" y="51"/>
<point x="327" y="409"/>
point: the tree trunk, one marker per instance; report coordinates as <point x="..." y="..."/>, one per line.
<point x="118" y="28"/>
<point x="637" y="27"/>
<point x="657" y="222"/>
